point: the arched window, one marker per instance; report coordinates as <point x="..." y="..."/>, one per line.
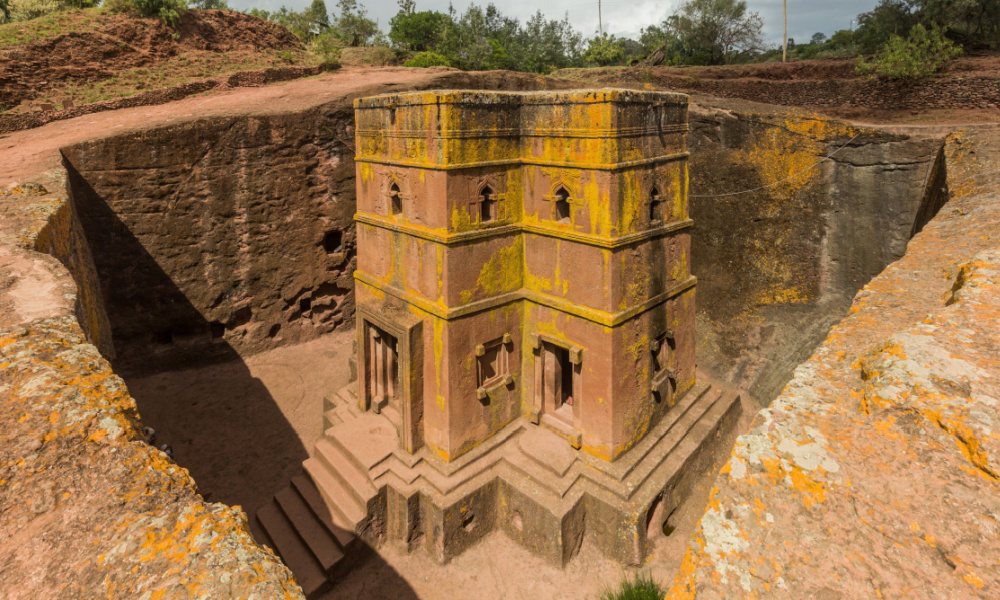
<point x="487" y="205"/>
<point x="562" y="211"/>
<point x="656" y="205"/>
<point x="395" y="200"/>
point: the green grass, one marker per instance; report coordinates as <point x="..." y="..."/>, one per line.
<point x="51" y="25"/>
<point x="183" y="68"/>
<point x="640" y="587"/>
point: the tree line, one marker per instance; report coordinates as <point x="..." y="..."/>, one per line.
<point x="700" y="32"/>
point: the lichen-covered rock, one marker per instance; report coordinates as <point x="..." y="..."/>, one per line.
<point x="875" y="472"/>
<point x="89" y="509"/>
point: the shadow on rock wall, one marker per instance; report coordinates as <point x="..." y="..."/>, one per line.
<point x="222" y="423"/>
<point x="189" y="382"/>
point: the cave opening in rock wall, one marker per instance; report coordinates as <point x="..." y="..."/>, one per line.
<point x="226" y="251"/>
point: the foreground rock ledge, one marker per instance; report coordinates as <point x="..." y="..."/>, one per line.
<point x="88" y="505"/>
<point x="875" y="472"/>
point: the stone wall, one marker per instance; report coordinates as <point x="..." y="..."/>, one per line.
<point x="963" y="91"/>
<point x="89" y="506"/>
<point x="778" y="266"/>
<point x="220" y="237"/>
<point x="874" y="473"/>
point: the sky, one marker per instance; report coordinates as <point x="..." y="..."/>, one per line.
<point x="623" y="18"/>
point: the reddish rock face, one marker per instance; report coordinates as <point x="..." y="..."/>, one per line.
<point x="239" y="239"/>
<point x="524" y="254"/>
<point x="875" y="472"/>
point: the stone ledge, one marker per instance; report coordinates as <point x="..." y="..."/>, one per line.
<point x="87" y="502"/>
<point x="875" y="471"/>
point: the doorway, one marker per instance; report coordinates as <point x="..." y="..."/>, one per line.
<point x="381" y="368"/>
<point x="558" y="393"/>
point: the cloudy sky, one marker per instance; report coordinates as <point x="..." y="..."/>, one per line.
<point x="621" y="17"/>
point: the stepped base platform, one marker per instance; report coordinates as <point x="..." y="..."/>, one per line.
<point x="526" y="481"/>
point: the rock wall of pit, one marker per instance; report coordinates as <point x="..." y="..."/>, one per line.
<point x="220" y="236"/>
<point x="90" y="508"/>
<point x="875" y="472"/>
<point x="794" y="213"/>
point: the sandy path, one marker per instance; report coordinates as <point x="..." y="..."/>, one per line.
<point x="27" y="154"/>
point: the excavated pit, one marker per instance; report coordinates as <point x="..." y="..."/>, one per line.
<point x="222" y="240"/>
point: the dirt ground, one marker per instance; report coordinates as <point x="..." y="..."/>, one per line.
<point x="89" y="55"/>
<point x="227" y="424"/>
<point x="968" y="83"/>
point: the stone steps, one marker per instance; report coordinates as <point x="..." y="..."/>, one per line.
<point x="338" y="526"/>
<point x="298" y="534"/>
<point x="345" y="504"/>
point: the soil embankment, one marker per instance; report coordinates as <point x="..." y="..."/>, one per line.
<point x="54" y="62"/>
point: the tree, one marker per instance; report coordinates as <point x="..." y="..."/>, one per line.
<point x="5" y="9"/>
<point x="169" y="11"/>
<point x="306" y="25"/>
<point x="211" y="4"/>
<point x="918" y="55"/>
<point x="318" y="14"/>
<point x="717" y="29"/>
<point x="604" y="50"/>
<point x="547" y="45"/>
<point x="888" y="18"/>
<point x="818" y="38"/>
<point x="842" y="38"/>
<point x="973" y="22"/>
<point x="419" y="31"/>
<point x="353" y="25"/>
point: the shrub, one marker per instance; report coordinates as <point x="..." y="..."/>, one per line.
<point x="641" y="587"/>
<point x="428" y="59"/>
<point x="169" y="11"/>
<point x="119" y="6"/>
<point x="325" y="46"/>
<point x="25" y="10"/>
<point x="920" y="54"/>
<point x="381" y="56"/>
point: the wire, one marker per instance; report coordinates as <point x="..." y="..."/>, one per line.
<point x="770" y="185"/>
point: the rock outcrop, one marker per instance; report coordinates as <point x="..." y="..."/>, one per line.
<point x="794" y="212"/>
<point x="89" y="506"/>
<point x="875" y="472"/>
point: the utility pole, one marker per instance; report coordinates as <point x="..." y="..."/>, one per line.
<point x="784" y="51"/>
<point x="600" y="20"/>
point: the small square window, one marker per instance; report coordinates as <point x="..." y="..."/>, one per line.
<point x="491" y="363"/>
<point x="661" y="350"/>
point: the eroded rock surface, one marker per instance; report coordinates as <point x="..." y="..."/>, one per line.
<point x="875" y="472"/>
<point x="90" y="508"/>
<point x="794" y="212"/>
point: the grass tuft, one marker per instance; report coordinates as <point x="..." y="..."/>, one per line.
<point x="640" y="587"/>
